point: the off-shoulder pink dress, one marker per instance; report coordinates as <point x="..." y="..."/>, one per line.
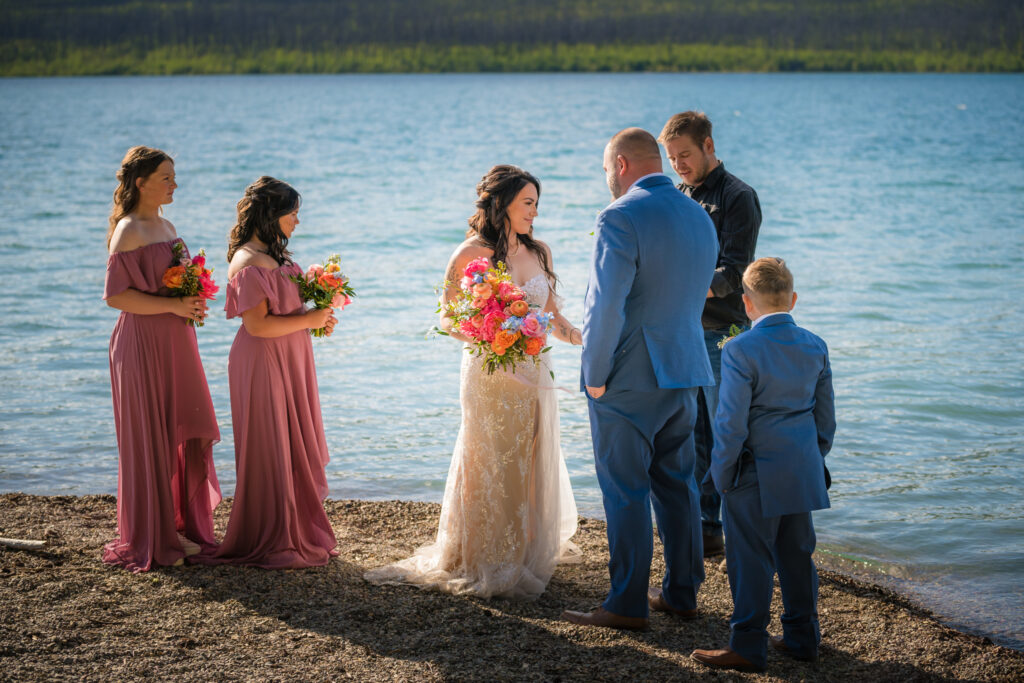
<point x="277" y="520"/>
<point x="166" y="428"/>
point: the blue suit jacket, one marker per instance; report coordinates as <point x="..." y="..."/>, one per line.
<point x="776" y="402"/>
<point x="655" y="251"/>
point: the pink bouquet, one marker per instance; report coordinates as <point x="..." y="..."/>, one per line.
<point x="325" y="286"/>
<point x="492" y="311"/>
<point x="190" y="277"/>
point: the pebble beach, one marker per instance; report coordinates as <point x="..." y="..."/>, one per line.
<point x="67" y="616"/>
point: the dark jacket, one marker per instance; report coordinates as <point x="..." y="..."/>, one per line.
<point x="736" y="213"/>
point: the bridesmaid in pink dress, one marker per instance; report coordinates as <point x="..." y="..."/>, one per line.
<point x="166" y="484"/>
<point x="277" y="520"/>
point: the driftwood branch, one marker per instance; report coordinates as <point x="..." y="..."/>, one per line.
<point x="22" y="544"/>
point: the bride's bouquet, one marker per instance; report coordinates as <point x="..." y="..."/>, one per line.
<point x="326" y="286"/>
<point x="189" y="277"/>
<point x="492" y="311"/>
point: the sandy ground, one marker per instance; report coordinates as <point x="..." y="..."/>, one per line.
<point x="64" y="615"/>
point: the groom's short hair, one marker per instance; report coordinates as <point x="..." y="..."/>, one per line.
<point x="696" y="124"/>
<point x="636" y="144"/>
<point x="768" y="281"/>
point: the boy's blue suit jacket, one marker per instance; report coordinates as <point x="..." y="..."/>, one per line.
<point x="655" y="251"/>
<point x="776" y="402"/>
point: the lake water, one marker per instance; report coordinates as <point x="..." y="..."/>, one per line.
<point x="898" y="201"/>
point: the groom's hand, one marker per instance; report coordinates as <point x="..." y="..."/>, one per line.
<point x="596" y="392"/>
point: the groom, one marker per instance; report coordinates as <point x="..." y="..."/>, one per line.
<point x="643" y="358"/>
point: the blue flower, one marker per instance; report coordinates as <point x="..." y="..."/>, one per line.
<point x="512" y="323"/>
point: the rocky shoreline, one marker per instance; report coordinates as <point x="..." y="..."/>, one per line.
<point x="67" y="616"/>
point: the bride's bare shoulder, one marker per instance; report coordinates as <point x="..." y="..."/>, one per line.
<point x="470" y="249"/>
<point x="544" y="245"/>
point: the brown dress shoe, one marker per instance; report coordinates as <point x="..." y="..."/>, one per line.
<point x="725" y="658"/>
<point x="779" y="643"/>
<point x="713" y="545"/>
<point x="602" y="617"/>
<point x="658" y="604"/>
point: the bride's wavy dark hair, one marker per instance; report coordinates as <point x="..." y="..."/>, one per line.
<point x="495" y="192"/>
<point x="259" y="210"/>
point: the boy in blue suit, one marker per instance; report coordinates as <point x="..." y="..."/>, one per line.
<point x="774" y="426"/>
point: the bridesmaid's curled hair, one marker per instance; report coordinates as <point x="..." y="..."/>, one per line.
<point x="259" y="210"/>
<point x="138" y="162"/>
<point x="495" y="192"/>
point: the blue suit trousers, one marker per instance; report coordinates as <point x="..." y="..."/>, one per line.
<point x="643" y="449"/>
<point x="755" y="548"/>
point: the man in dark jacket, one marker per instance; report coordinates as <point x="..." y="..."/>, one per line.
<point x="736" y="212"/>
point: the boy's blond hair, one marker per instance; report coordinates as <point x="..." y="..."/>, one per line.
<point x="769" y="282"/>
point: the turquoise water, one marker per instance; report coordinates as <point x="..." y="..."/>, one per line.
<point x="898" y="201"/>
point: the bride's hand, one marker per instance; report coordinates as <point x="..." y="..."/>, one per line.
<point x="455" y="334"/>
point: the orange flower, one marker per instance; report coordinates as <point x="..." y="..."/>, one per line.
<point x="506" y="338"/>
<point x="500" y="350"/>
<point x="519" y="308"/>
<point x="482" y="290"/>
<point x="328" y="281"/>
<point x="332" y="268"/>
<point x="173" y="277"/>
<point x="534" y="345"/>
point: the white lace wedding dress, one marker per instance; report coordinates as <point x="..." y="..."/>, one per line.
<point x="508" y="511"/>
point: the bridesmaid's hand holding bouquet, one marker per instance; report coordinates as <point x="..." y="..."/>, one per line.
<point x="326" y="286"/>
<point x="189" y="277"/>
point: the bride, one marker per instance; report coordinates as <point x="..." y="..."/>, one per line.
<point x="508" y="511"/>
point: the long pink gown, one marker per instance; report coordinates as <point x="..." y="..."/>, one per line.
<point x="166" y="428"/>
<point x="278" y="520"/>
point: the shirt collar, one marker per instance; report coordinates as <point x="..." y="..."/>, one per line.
<point x="643" y="178"/>
<point x="766" y="316"/>
<point x="710" y="182"/>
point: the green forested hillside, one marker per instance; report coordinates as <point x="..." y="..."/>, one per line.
<point x="216" y="36"/>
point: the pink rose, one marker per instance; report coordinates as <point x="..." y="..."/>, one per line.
<point x="313" y="272"/>
<point x="340" y="301"/>
<point x="531" y="327"/>
<point x="492" y="323"/>
<point x="509" y="292"/>
<point x="199" y="261"/>
<point x="207" y="287"/>
<point x="479" y="265"/>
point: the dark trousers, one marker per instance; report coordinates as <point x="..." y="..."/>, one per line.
<point x="703" y="436"/>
